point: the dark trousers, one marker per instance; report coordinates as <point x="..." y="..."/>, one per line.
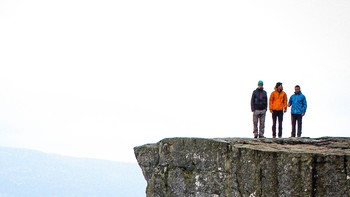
<point x="296" y="118"/>
<point x="277" y="114"/>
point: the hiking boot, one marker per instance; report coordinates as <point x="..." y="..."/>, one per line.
<point x="262" y="136"/>
<point x="274" y="136"/>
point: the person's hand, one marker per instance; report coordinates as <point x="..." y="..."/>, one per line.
<point x="302" y="114"/>
<point x="271" y="110"/>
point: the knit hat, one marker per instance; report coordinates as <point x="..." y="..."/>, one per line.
<point x="278" y="84"/>
<point x="260" y="83"/>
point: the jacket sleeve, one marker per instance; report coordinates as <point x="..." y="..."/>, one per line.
<point x="266" y="101"/>
<point x="304" y="105"/>
<point x="290" y="100"/>
<point x="285" y="102"/>
<point x="271" y="101"/>
<point x="252" y="102"/>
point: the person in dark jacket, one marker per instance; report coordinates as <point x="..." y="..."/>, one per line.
<point x="299" y="105"/>
<point x="259" y="106"/>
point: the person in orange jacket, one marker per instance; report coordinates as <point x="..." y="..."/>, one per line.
<point x="278" y="106"/>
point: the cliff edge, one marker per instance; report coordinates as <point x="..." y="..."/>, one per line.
<point x="221" y="167"/>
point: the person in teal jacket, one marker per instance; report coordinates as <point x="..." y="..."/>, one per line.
<point x="299" y="105"/>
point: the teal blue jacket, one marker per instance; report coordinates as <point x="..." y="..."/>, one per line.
<point x="298" y="103"/>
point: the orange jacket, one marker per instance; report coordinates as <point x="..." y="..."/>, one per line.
<point x="278" y="100"/>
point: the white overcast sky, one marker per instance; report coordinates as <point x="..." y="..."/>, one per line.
<point x="97" y="78"/>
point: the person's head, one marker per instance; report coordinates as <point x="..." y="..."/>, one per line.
<point x="297" y="89"/>
<point x="279" y="86"/>
<point x="260" y="84"/>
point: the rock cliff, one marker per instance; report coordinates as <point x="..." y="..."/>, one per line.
<point x="186" y="167"/>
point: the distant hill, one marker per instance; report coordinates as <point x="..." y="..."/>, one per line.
<point x="33" y="173"/>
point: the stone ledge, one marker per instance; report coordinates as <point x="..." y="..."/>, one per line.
<point x="246" y="167"/>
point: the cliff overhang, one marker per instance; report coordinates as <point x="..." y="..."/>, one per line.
<point x="246" y="167"/>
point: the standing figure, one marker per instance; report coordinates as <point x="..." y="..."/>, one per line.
<point x="258" y="105"/>
<point x="278" y="106"/>
<point x="299" y="105"/>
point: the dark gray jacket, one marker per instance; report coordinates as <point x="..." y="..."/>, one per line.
<point x="259" y="100"/>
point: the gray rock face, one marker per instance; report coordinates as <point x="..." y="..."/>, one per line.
<point x="198" y="167"/>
